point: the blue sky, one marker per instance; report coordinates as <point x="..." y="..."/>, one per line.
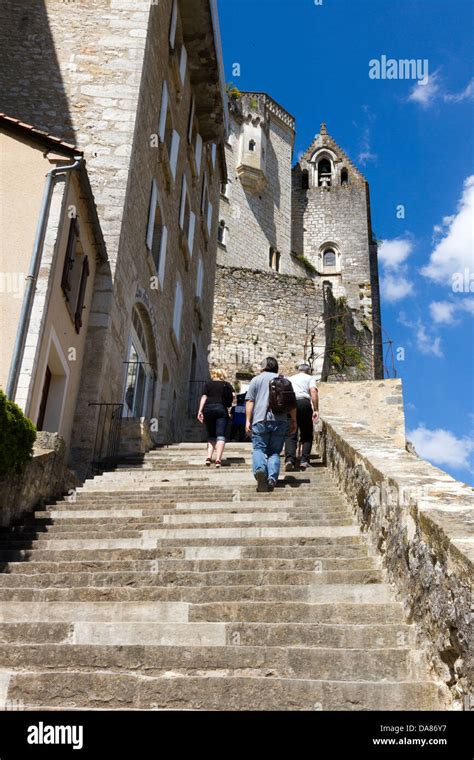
<point x="415" y="145"/>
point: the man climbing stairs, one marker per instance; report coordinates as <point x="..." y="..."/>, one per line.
<point x="166" y="585"/>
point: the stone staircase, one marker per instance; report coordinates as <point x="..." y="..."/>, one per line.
<point x="166" y="585"/>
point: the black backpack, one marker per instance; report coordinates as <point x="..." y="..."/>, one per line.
<point x="281" y="399"/>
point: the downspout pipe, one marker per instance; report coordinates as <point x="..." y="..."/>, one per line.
<point x="32" y="278"/>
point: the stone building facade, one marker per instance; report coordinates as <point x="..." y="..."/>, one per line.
<point x="310" y="222"/>
<point x="139" y="88"/>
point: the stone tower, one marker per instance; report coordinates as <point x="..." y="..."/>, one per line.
<point x="255" y="209"/>
<point x="297" y="263"/>
<point x="332" y="230"/>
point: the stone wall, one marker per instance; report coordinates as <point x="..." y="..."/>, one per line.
<point x="259" y="314"/>
<point x="376" y="404"/>
<point x="420" y="523"/>
<point x="44" y="478"/>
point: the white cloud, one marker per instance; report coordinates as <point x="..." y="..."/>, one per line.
<point x="425" y="343"/>
<point x="442" y="447"/>
<point x="425" y="94"/>
<point x="434" y="90"/>
<point x="394" y="288"/>
<point x="393" y="254"/>
<point x="365" y="153"/>
<point x="466" y="94"/>
<point x="454" y="252"/>
<point x="444" y="312"/>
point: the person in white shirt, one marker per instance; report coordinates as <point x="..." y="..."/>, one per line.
<point x="307" y="401"/>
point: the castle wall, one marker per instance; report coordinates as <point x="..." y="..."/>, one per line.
<point x="259" y="314"/>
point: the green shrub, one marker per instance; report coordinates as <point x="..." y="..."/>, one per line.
<point x="17" y="436"/>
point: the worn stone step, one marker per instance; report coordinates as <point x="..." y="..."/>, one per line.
<point x="333" y="595"/>
<point x="111" y="528"/>
<point x="396" y="664"/>
<point x="189" y="552"/>
<point x="66" y="612"/>
<point x="285" y="509"/>
<point x="98" y="689"/>
<point x="190" y="578"/>
<point x="32" y="567"/>
<point x="142" y="544"/>
<point x="376" y="636"/>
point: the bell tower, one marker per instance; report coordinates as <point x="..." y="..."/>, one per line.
<point x="332" y="230"/>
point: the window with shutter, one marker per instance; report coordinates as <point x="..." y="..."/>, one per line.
<point x="69" y="260"/>
<point x="81" y="295"/>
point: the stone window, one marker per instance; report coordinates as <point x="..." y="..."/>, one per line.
<point x="329" y="258"/>
<point x="75" y="275"/>
<point x="178" y="308"/>
<point x="305" y="180"/>
<point x="225" y="189"/>
<point x="324" y="172"/>
<point x="344" y="177"/>
<point x="191" y="124"/>
<point x="252" y="146"/>
<point x="199" y="277"/>
<point x="166" y="132"/>
<point x="157" y="233"/>
<point x="140" y="376"/>
<point x="274" y="259"/>
<point x="222" y="233"/>
<point x="173" y="24"/>
<point x="187" y="218"/>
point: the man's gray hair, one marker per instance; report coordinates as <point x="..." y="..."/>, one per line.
<point x="304" y="368"/>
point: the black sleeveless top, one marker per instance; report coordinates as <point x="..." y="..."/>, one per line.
<point x="218" y="392"/>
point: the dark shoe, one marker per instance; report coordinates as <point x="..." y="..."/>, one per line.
<point x="303" y="465"/>
<point x="271" y="483"/>
<point x="261" y="478"/>
<point x="289" y="466"/>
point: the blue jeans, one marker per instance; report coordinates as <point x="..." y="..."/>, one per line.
<point x="268" y="439"/>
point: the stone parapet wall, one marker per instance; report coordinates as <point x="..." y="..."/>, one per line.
<point x="419" y="519"/>
<point x="375" y="404"/>
<point x="44" y="478"/>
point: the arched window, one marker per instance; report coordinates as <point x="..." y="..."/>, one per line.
<point x="305" y="180"/>
<point x="140" y="375"/>
<point x="252" y="145"/>
<point x="329" y="258"/>
<point x="274" y="259"/>
<point x="344" y="177"/>
<point x="324" y="173"/>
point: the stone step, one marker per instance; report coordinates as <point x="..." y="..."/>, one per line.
<point x="395" y="664"/>
<point x="33" y="567"/>
<point x="334" y="596"/>
<point x="135" y="527"/>
<point x="97" y="689"/>
<point x="191" y="578"/>
<point x="375" y="636"/>
<point x="336" y="550"/>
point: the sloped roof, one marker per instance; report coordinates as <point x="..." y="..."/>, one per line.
<point x="324" y="140"/>
<point x="28" y="130"/>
